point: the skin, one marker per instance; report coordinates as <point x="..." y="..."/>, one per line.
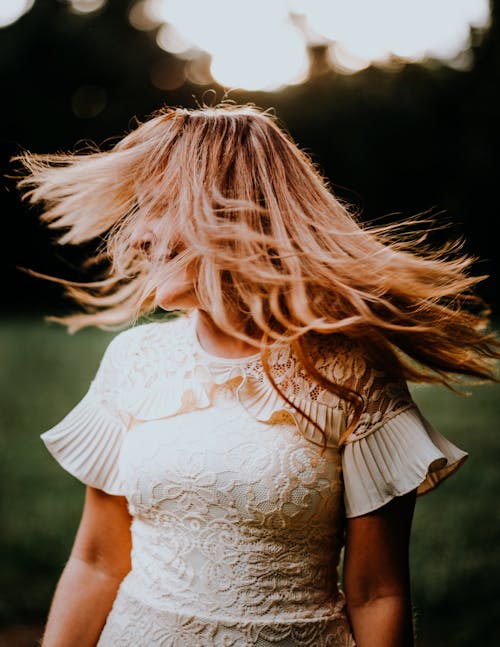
<point x="377" y="581"/>
<point x="376" y="559"/>
<point x="98" y="562"/>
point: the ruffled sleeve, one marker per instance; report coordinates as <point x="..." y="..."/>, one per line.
<point x="402" y="454"/>
<point x="393" y="449"/>
<point x="87" y="441"/>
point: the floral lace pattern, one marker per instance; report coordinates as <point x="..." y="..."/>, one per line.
<point x="237" y="523"/>
<point x="172" y="370"/>
<point x="383" y="397"/>
<point x="238" y="519"/>
<point x="131" y="619"/>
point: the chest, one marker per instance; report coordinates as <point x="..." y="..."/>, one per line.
<point x="222" y="463"/>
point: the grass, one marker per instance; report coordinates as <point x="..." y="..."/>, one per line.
<point x="44" y="373"/>
<point x="456" y="531"/>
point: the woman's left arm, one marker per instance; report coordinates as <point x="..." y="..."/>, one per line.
<point x="376" y="575"/>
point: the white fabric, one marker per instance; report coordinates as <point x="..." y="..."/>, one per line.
<point x="238" y="517"/>
<point x="394" y="460"/>
<point x="87" y="441"/>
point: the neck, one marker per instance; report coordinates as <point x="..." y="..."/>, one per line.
<point x="217" y="342"/>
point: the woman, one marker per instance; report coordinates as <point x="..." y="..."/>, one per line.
<point x="231" y="450"/>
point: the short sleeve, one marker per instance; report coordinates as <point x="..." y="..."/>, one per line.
<point x="403" y="454"/>
<point x="87" y="441"/>
<point x="393" y="448"/>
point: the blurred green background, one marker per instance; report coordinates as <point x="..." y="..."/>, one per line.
<point x="395" y="137"/>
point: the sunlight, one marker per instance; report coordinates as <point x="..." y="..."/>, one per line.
<point x="12" y="10"/>
<point x="265" y="66"/>
<point x="403" y="28"/>
<point x="253" y="46"/>
<point x="263" y="45"/>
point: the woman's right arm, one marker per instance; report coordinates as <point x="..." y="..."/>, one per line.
<point x="99" y="560"/>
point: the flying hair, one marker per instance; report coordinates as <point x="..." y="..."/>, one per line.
<point x="277" y="257"/>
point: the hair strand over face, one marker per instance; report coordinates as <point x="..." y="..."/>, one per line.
<point x="277" y="258"/>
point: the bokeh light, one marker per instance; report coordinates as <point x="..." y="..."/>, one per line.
<point x="139" y="17"/>
<point x="12" y="10"/>
<point x="263" y="45"/>
<point x="171" y="40"/>
<point x="86" y="6"/>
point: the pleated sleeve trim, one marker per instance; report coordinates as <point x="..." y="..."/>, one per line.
<point x="87" y="443"/>
<point x="403" y="454"/>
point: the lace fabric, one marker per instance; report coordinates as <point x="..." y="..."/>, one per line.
<point x="153" y="385"/>
<point x="238" y="519"/>
<point x="167" y="628"/>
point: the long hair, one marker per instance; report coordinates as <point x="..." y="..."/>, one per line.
<point x="276" y="256"/>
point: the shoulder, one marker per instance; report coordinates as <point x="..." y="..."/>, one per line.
<point x="356" y="363"/>
<point x="339" y="358"/>
<point x="141" y="337"/>
<point x="141" y="348"/>
<point x="326" y="359"/>
<point x="363" y="368"/>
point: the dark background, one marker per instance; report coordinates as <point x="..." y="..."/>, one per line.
<point x="394" y="141"/>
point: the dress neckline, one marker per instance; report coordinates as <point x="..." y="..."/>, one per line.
<point x="217" y="359"/>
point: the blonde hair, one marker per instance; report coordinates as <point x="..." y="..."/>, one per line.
<point x="277" y="257"/>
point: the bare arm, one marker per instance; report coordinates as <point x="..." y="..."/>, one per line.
<point x="99" y="560"/>
<point x="376" y="575"/>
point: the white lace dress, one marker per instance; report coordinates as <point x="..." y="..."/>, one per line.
<point x="238" y="520"/>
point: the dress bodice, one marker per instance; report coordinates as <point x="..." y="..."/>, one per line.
<point x="238" y="514"/>
<point x="231" y="511"/>
<point x="230" y="517"/>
